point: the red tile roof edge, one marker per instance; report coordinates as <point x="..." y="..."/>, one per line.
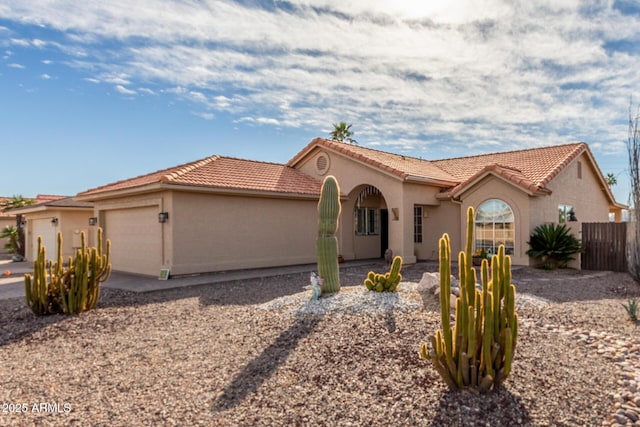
<point x="512" y="175"/>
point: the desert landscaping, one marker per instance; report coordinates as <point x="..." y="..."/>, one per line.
<point x="259" y="352"/>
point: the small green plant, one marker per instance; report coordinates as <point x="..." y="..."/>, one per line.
<point x="553" y="245"/>
<point x="10" y="232"/>
<point x="385" y="282"/>
<point x="633" y="309"/>
<point x="54" y="288"/>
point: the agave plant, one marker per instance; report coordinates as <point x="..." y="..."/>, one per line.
<point x="553" y="245"/>
<point x="633" y="309"/>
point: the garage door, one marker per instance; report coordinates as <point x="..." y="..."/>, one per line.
<point x="44" y="228"/>
<point x="136" y="239"/>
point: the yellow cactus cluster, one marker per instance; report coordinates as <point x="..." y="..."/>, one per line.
<point x="387" y="282"/>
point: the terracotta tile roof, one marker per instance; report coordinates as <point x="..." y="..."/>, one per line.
<point x="396" y="164"/>
<point x="513" y="175"/>
<point x="64" y="202"/>
<point x="225" y="173"/>
<point x="537" y="166"/>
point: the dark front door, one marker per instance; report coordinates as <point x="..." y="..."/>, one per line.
<point x="384" y="231"/>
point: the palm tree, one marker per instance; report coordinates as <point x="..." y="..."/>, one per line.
<point x="611" y="179"/>
<point x="342" y="132"/>
<point x="17" y="201"/>
<point x="10" y="232"/>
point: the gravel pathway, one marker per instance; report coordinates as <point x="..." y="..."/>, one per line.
<point x="258" y="353"/>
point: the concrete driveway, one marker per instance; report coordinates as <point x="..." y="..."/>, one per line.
<point x="12" y="286"/>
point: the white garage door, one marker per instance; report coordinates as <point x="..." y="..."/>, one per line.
<point x="44" y="228"/>
<point x="136" y="239"/>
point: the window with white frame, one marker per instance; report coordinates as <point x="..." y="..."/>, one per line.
<point x="367" y="221"/>
<point x="417" y="224"/>
<point x="495" y="226"/>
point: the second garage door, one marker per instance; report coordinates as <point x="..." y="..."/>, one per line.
<point x="49" y="233"/>
<point x="136" y="239"/>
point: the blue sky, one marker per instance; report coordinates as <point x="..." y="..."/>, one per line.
<point x="94" y="92"/>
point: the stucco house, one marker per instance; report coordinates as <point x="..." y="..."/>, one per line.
<point x="223" y="213"/>
<point x="55" y="214"/>
<point x="8" y="217"/>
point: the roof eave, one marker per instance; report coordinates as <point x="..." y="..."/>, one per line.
<point x="121" y="192"/>
<point x="425" y="180"/>
<point x="241" y="191"/>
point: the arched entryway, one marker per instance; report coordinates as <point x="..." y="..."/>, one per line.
<point x="367" y="234"/>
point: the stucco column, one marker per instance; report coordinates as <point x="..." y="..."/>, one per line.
<point x="408" y="249"/>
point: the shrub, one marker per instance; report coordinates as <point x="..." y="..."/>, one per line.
<point x="553" y="245"/>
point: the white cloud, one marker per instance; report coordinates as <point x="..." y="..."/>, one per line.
<point x="123" y="90"/>
<point x="47" y="61"/>
<point x="146" y="90"/>
<point x="45" y="76"/>
<point x="414" y="74"/>
<point x="206" y="116"/>
<point x="17" y="66"/>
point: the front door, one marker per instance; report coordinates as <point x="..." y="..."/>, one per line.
<point x="384" y="231"/>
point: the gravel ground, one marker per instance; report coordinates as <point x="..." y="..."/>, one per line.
<point x="258" y="353"/>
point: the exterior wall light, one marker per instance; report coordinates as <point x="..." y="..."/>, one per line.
<point x="54" y="221"/>
<point x="163" y="217"/>
<point x="93" y="220"/>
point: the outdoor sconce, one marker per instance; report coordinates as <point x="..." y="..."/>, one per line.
<point x="23" y="223"/>
<point x="93" y="220"/>
<point x="163" y="217"/>
<point x="54" y="221"/>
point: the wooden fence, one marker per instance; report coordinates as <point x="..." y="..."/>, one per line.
<point x="605" y="245"/>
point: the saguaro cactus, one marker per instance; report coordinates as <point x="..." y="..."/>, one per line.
<point x="478" y="350"/>
<point x="327" y="242"/>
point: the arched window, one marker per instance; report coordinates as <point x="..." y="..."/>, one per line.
<point x="495" y="226"/>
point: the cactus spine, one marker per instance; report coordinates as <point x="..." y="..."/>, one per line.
<point x="70" y="290"/>
<point x="477" y="351"/>
<point x="385" y="282"/>
<point x="327" y="242"/>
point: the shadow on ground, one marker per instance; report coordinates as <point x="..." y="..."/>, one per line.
<point x="499" y="407"/>
<point x="263" y="366"/>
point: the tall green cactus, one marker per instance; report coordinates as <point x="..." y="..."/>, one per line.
<point x="327" y="242"/>
<point x="385" y="282"/>
<point x="477" y="352"/>
<point x="76" y="288"/>
<point x="90" y="267"/>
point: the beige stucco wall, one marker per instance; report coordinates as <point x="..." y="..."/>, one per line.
<point x="437" y="220"/>
<point x="218" y="232"/>
<point x="492" y="187"/>
<point x="585" y="195"/>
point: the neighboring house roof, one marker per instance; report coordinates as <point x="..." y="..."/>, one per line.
<point x="40" y="198"/>
<point x="404" y="167"/>
<point x="219" y="172"/>
<point x="55" y="203"/>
